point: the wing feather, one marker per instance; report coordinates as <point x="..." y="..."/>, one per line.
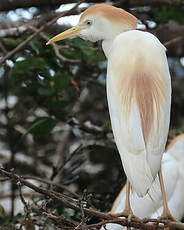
<point x="152" y="201"/>
<point x="139" y="97"/>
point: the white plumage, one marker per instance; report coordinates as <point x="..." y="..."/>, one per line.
<point x="138" y="92"/>
<point x="151" y="204"/>
<point x="141" y="155"/>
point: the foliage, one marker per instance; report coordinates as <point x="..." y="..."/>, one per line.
<point x="164" y="14"/>
<point x="47" y="91"/>
<point x="54" y="120"/>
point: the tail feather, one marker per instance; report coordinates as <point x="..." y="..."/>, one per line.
<point x="139" y="175"/>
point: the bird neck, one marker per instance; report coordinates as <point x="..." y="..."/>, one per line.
<point x="106" y="46"/>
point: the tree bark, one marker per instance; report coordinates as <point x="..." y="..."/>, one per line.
<point x="14" y="4"/>
<point x="146" y="224"/>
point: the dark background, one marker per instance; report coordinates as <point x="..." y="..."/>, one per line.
<point x="54" y="120"/>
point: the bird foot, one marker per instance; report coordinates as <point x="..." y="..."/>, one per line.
<point x="166" y="217"/>
<point x="127" y="214"/>
<point x="124" y="213"/>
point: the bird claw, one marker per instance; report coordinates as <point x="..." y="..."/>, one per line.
<point x="126" y="214"/>
<point x="166" y="217"/>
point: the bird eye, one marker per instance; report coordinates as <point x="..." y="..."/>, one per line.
<point x="88" y="22"/>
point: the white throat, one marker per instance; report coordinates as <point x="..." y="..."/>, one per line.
<point x="106" y="46"/>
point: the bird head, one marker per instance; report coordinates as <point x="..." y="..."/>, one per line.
<point x="100" y="22"/>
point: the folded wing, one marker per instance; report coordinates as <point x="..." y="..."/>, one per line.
<point x="139" y="94"/>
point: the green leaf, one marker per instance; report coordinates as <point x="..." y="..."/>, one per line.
<point x="79" y="43"/>
<point x="22" y="69"/>
<point x="56" y="104"/>
<point x="16" y="218"/>
<point x="62" y="81"/>
<point x="35" y="45"/>
<point x="99" y="56"/>
<point x="2" y="212"/>
<point x="164" y="14"/>
<point x="47" y="91"/>
<point x="12" y="42"/>
<point x="72" y="54"/>
<point x="41" y="126"/>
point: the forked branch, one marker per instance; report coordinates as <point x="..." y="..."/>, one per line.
<point x="75" y="204"/>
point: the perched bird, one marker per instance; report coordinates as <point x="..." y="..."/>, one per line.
<point x="173" y="175"/>
<point x="138" y="92"/>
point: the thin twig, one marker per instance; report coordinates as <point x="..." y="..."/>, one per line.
<point x="2" y="47"/>
<point x="59" y="219"/>
<point x="46" y="181"/>
<point x="174" y="40"/>
<point x="51" y="194"/>
<point x="22" y="198"/>
<point x="25" y="194"/>
<point x="56" y="48"/>
<point x="107" y="218"/>
<point x="19" y="47"/>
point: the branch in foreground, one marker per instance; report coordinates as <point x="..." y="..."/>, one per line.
<point x="46" y="181"/>
<point x="148" y="224"/>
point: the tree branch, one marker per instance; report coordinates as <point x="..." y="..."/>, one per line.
<point x="170" y="34"/>
<point x="46" y="181"/>
<point x="56" y="48"/>
<point x="14" y="4"/>
<point x="36" y="33"/>
<point x="11" y="29"/>
<point x="148" y="224"/>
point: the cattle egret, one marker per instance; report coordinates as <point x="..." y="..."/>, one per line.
<point x="138" y="92"/>
<point x="173" y="176"/>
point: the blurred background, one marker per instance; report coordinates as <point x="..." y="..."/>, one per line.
<point x="54" y="120"/>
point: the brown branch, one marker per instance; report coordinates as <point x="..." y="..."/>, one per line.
<point x="36" y="33"/>
<point x="107" y="218"/>
<point x="11" y="29"/>
<point x="56" y="48"/>
<point x="14" y="4"/>
<point x="52" y="183"/>
<point x="3" y="48"/>
<point x="167" y="33"/>
<point x="13" y="32"/>
<point x="51" y="194"/>
<point x="174" y="40"/>
<point x="59" y="219"/>
<point x="46" y="181"/>
<point x="152" y="3"/>
<point x="27" y="195"/>
<point x="23" y="200"/>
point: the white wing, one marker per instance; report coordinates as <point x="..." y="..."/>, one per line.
<point x="139" y="96"/>
<point x="175" y="203"/>
<point x="176" y="150"/>
<point x="153" y="200"/>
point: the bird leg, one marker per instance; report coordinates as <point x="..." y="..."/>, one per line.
<point x="127" y="210"/>
<point x="166" y="213"/>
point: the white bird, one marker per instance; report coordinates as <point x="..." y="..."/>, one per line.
<point x="138" y="92"/>
<point x="151" y="205"/>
